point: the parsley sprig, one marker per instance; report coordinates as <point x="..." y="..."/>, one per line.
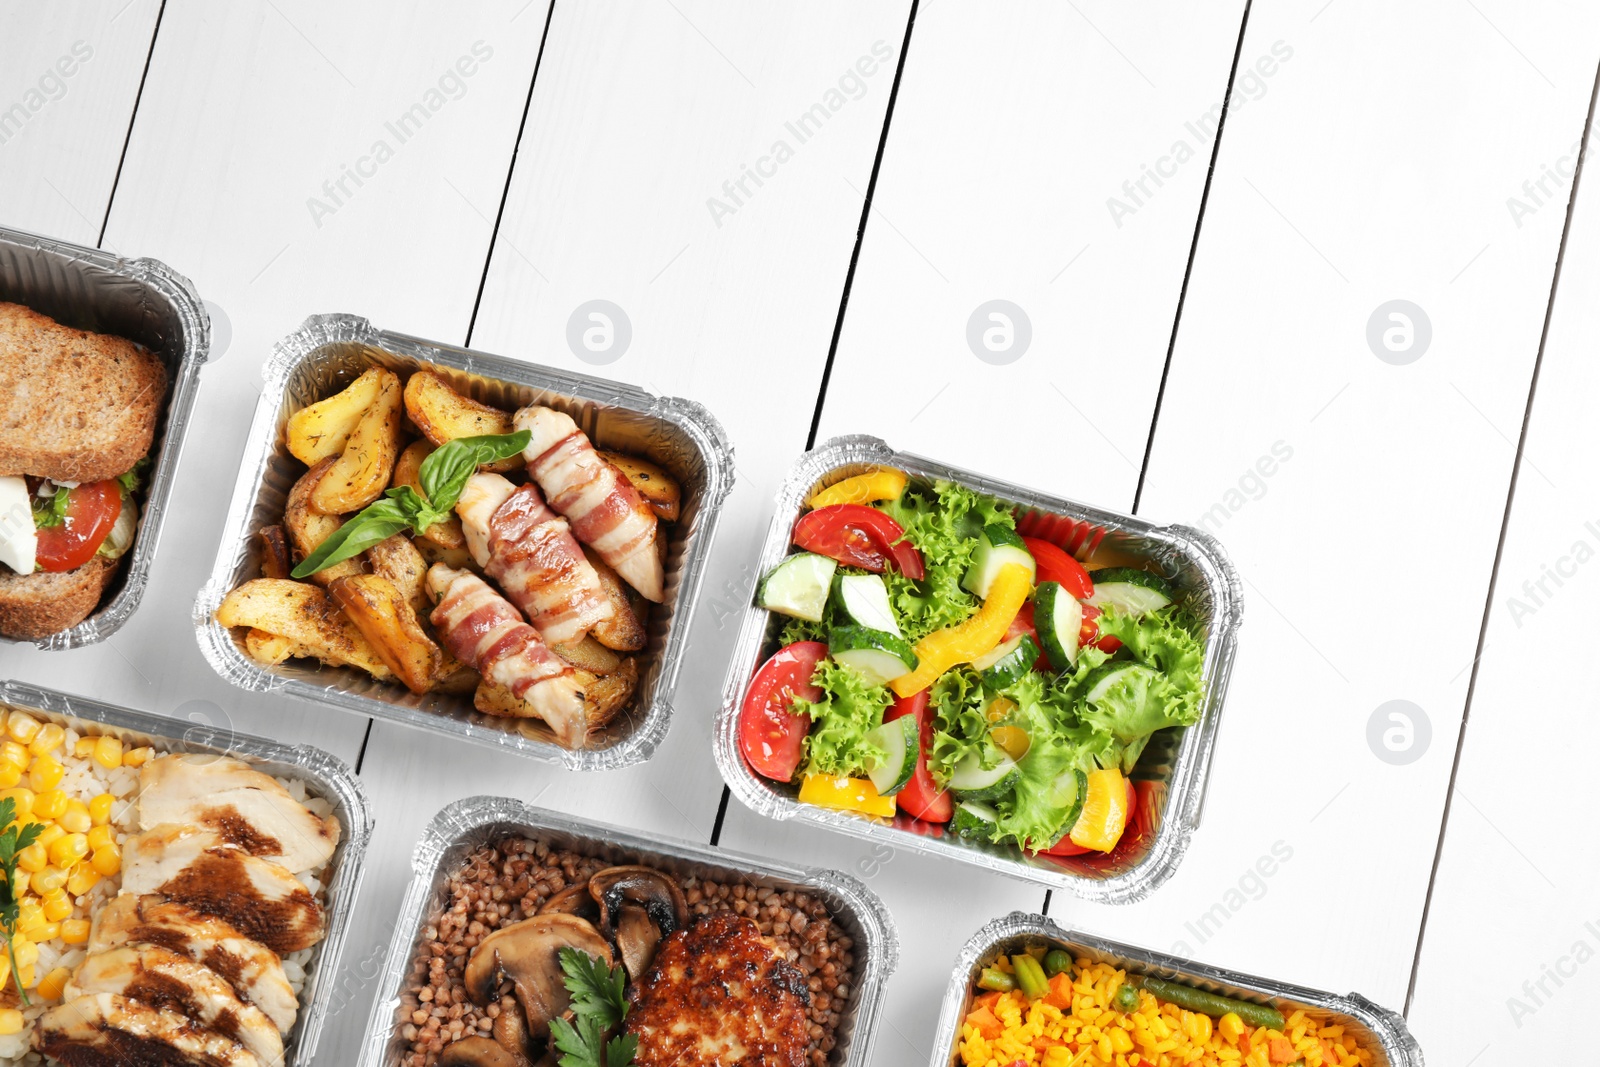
<point x="598" y="1005"/>
<point x="13" y="840"/>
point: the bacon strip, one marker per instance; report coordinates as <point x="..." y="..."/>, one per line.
<point x="530" y="551"/>
<point x="481" y="628"/>
<point x="605" y="511"/>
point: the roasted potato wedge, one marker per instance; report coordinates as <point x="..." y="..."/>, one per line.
<point x="589" y="655"/>
<point x="398" y="560"/>
<point x="276" y="560"/>
<point x="455" y="676"/>
<point x="446" y="533"/>
<point x="382" y="614"/>
<point x="322" y="429"/>
<point x="308" y="527"/>
<point x="271" y="649"/>
<point x="306" y="615"/>
<point x="603" y="697"/>
<point x="442" y="414"/>
<point x="433" y="552"/>
<point x="624" y="631"/>
<point x="659" y="489"/>
<point x="361" y="473"/>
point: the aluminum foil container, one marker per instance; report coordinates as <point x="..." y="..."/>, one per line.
<point x="147" y="302"/>
<point x="330" y="351"/>
<point x="1172" y="772"/>
<point x="324" y="776"/>
<point x="1379" y="1030"/>
<point x="467" y="825"/>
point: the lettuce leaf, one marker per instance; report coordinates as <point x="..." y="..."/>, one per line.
<point x="50" y="510"/>
<point x="943" y="521"/>
<point x="960" y="725"/>
<point x="1140" y="702"/>
<point x="850" y="707"/>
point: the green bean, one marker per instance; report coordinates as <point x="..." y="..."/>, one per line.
<point x="1057" y="961"/>
<point x="1030" y="976"/>
<point x="996" y="981"/>
<point x="1212" y="1004"/>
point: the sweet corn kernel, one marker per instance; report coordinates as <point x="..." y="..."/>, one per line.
<point x="19" y="885"/>
<point x="101" y="836"/>
<point x="82" y="879"/>
<point x="57" y="906"/>
<point x="10" y="774"/>
<point x="22" y="728"/>
<point x="26" y="952"/>
<point x="1201" y="1028"/>
<point x="33" y="859"/>
<point x="1230" y="1026"/>
<point x="107" y="861"/>
<point x="29" y="911"/>
<point x="100" y="808"/>
<point x="83" y="748"/>
<point x="47" y="740"/>
<point x="12" y="752"/>
<point x="50" y="834"/>
<point x="136" y="757"/>
<point x="50" y="804"/>
<point x="46" y="773"/>
<point x="28" y="974"/>
<point x="108" y="752"/>
<point x="51" y="985"/>
<point x="21" y="796"/>
<point x="41" y="931"/>
<point x="69" y="849"/>
<point x="10" y="1021"/>
<point x="75" y="931"/>
<point x="76" y="819"/>
<point x="1120" y="1041"/>
<point x="49" y="880"/>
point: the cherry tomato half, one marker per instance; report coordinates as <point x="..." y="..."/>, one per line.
<point x="92" y="511"/>
<point x="771" y="736"/>
<point x="1089" y="632"/>
<point x="1055" y="565"/>
<point x="921" y="798"/>
<point x="859" y="536"/>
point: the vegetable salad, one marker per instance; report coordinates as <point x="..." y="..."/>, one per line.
<point x="937" y="663"/>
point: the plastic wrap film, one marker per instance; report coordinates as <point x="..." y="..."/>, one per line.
<point x="144" y="301"/>
<point x="324" y="776"/>
<point x="1172" y="772"/>
<point x="467" y="825"/>
<point x="1379" y="1030"/>
<point x="329" y="352"/>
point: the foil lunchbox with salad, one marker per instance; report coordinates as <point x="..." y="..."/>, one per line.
<point x="984" y="670"/>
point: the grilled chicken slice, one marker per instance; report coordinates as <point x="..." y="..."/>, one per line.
<point x="160" y="978"/>
<point x="253" y="971"/>
<point x="196" y="866"/>
<point x="247" y="808"/>
<point x="105" y="1030"/>
<point x="720" y="994"/>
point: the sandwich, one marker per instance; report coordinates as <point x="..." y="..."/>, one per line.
<point x="78" y="414"/>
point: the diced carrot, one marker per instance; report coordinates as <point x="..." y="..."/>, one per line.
<point x="983" y="1020"/>
<point x="1280" y="1051"/>
<point x="1330" y="1054"/>
<point x="1060" y="994"/>
<point x="987" y="1001"/>
<point x="1042" y="1043"/>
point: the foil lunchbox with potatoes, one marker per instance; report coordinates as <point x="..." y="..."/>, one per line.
<point x="639" y="479"/>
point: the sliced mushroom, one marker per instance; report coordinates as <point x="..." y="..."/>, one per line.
<point x="510" y="1030"/>
<point x="573" y="900"/>
<point x="628" y="895"/>
<point x="480" y="1052"/>
<point x="528" y="954"/>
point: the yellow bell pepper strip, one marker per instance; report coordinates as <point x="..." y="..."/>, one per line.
<point x="967" y="640"/>
<point x="1105" y="812"/>
<point x="861" y="489"/>
<point x="845" y="794"/>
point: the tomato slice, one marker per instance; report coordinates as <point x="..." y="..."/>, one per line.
<point x="921" y="798"/>
<point x="859" y="536"/>
<point x="771" y="736"/>
<point x="1055" y="565"/>
<point x="92" y="511"/>
<point x="1089" y="632"/>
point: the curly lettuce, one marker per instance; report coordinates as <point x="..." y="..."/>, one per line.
<point x="960" y="723"/>
<point x="850" y="707"/>
<point x="943" y="521"/>
<point x="1162" y="688"/>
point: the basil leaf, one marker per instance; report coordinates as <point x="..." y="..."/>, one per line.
<point x="423" y="515"/>
<point x="445" y="472"/>
<point x="377" y="521"/>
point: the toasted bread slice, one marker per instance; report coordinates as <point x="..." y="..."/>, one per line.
<point x="74" y="406"/>
<point x="43" y="603"/>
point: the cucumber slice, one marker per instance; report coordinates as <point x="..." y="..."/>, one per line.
<point x="1069" y="790"/>
<point x="971" y="782"/>
<point x="997" y="546"/>
<point x="880" y="657"/>
<point x="864" y="598"/>
<point x="1008" y="663"/>
<point x="1101" y="681"/>
<point x="1130" y="590"/>
<point x="899" y="741"/>
<point x="1058" y="618"/>
<point x="799" y="586"/>
<point x="975" y="820"/>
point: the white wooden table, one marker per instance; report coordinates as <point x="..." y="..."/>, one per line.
<point x="1413" y="521"/>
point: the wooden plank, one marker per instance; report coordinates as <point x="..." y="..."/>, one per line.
<point x="68" y="80"/>
<point x="1333" y="470"/>
<point x="1511" y="883"/>
<point x="1014" y="126"/>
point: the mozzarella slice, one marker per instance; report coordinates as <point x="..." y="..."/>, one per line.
<point x="19" y="543"/>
